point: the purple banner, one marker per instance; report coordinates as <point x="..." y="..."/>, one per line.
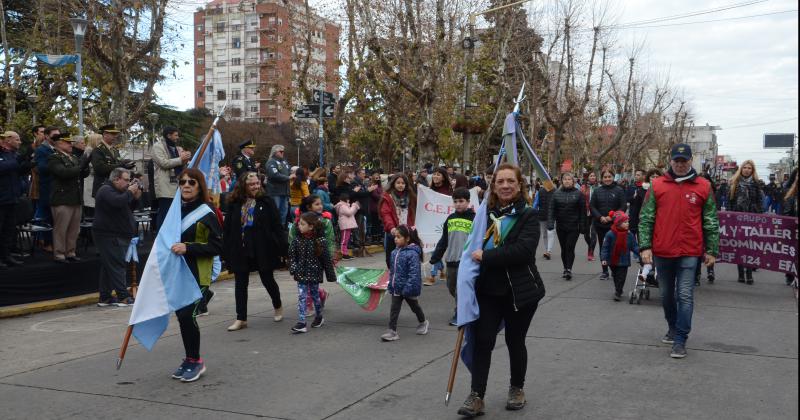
<point x="765" y="241"/>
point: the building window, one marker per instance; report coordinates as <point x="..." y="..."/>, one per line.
<point x="280" y="21"/>
<point x="222" y="63"/>
<point x="220" y="26"/>
<point x="253" y="75"/>
<point x="254" y="23"/>
<point x="236" y="28"/>
<point x="236" y="112"/>
<point x="200" y="28"/>
<point x="221" y="95"/>
<point x="200" y="78"/>
<point x="236" y="61"/>
<point x="271" y="20"/>
<point x="210" y="89"/>
<point x="237" y="42"/>
<point x="200" y="94"/>
<point x="200" y="61"/>
<point x="236" y="94"/>
<point x="235" y="77"/>
<point x="254" y="108"/>
<point x="254" y="39"/>
<point x="200" y="43"/>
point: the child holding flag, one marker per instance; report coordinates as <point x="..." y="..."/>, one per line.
<point x="618" y="243"/>
<point x="405" y="280"/>
<point x="308" y="259"/>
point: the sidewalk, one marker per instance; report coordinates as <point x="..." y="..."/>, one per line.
<point x="589" y="357"/>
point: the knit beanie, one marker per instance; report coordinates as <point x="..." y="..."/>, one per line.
<point x="617" y="217"/>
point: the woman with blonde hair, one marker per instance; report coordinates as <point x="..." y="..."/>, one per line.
<point x="746" y="195"/>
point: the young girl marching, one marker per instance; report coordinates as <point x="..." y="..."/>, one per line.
<point x="405" y="280"/>
<point x="309" y="259"/>
<point x="618" y="244"/>
<point x="346" y="212"/>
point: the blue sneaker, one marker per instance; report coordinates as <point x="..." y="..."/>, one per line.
<point x="182" y="368"/>
<point x="193" y="371"/>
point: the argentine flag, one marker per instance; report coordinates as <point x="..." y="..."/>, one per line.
<point x="167" y="284"/>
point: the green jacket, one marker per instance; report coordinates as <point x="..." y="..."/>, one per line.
<point x="67" y="174"/>
<point x="104" y="160"/>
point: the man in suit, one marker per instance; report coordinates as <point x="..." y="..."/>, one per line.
<point x="43" y="213"/>
<point x="105" y="157"/>
<point x="12" y="166"/>
<point x="245" y="162"/>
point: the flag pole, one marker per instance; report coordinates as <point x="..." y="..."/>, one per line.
<point x="454" y="366"/>
<point x="124" y="348"/>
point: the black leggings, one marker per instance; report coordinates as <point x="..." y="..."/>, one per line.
<point x="243" y="280"/>
<point x="590" y="236"/>
<point x="493" y="310"/>
<point x="397" y="304"/>
<point x="190" y="331"/>
<point x="601" y="235"/>
<point x="567" y="239"/>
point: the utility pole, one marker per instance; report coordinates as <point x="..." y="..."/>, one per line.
<point x="321" y="140"/>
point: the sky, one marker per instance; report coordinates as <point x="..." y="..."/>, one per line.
<point x="736" y="63"/>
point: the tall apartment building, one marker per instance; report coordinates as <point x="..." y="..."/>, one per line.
<point x="247" y="52"/>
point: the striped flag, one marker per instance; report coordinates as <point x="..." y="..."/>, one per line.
<point x="56" y="60"/>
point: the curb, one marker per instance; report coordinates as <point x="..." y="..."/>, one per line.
<point x="65" y="303"/>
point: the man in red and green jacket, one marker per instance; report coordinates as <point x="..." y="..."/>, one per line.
<point x="679" y="226"/>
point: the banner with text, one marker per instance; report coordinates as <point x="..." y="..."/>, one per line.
<point x="765" y="241"/>
<point x="432" y="211"/>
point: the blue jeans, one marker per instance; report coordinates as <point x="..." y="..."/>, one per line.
<point x="676" y="281"/>
<point x="282" y="203"/>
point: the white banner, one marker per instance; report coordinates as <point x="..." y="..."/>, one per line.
<point x="432" y="211"/>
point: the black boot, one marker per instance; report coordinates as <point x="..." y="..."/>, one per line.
<point x="749" y="276"/>
<point x="741" y="274"/>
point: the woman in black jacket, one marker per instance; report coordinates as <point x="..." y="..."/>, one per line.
<point x="566" y="214"/>
<point x="201" y="240"/>
<point x="254" y="240"/>
<point x="508" y="287"/>
<point x="607" y="197"/>
<point x="746" y="195"/>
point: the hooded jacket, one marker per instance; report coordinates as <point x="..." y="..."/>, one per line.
<point x="679" y="219"/>
<point x="405" y="275"/>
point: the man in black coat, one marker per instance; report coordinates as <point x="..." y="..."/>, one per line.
<point x="12" y="165"/>
<point x="245" y="162"/>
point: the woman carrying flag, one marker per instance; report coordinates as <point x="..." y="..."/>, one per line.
<point x="201" y="240"/>
<point x="508" y="288"/>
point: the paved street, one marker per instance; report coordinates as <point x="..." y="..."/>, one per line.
<point x="590" y="357"/>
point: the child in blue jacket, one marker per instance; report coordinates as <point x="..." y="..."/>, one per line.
<point x="618" y="243"/>
<point x="405" y="280"/>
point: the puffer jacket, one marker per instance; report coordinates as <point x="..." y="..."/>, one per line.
<point x="607" y="198"/>
<point x="607" y="249"/>
<point x="405" y="275"/>
<point x="748" y="198"/>
<point x="544" y="203"/>
<point x="566" y="209"/>
<point x="511" y="267"/>
<point x="679" y="219"/>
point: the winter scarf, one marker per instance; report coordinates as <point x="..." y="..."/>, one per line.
<point x="620" y="244"/>
<point x="400" y="201"/>
<point x="496" y="229"/>
<point x="688" y="177"/>
<point x="172" y="149"/>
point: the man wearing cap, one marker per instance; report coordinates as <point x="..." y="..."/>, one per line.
<point x="65" y="197"/>
<point x="678" y="227"/>
<point x="278" y="179"/>
<point x="168" y="162"/>
<point x="105" y="157"/>
<point x="244" y="161"/>
<point x="12" y="165"/>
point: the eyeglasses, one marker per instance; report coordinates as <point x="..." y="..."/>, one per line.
<point x="190" y="181"/>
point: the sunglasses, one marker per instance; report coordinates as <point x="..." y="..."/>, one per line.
<point x="191" y="182"/>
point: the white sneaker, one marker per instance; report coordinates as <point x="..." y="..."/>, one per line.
<point x="390" y="335"/>
<point x="422" y="328"/>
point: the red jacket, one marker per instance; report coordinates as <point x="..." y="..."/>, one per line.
<point x="389" y="216"/>
<point x="679" y="220"/>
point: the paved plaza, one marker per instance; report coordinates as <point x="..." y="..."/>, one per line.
<point x="589" y="358"/>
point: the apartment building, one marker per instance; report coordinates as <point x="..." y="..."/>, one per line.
<point x="247" y="52"/>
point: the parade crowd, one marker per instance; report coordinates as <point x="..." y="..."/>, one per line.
<point x="274" y="216"/>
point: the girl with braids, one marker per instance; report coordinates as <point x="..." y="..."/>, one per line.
<point x="309" y="258"/>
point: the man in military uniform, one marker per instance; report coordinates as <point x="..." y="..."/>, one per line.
<point x="245" y="162"/>
<point x="105" y="157"/>
<point x="67" y="173"/>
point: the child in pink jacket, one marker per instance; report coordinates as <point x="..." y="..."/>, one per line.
<point x="346" y="212"/>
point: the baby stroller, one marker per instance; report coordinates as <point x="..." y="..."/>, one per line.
<point x="645" y="280"/>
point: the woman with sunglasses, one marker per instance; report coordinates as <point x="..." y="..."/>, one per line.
<point x="201" y="240"/>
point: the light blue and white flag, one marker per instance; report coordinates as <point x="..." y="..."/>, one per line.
<point x="56" y="60"/>
<point x="167" y="284"/>
<point x="209" y="164"/>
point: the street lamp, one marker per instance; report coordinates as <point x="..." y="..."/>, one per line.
<point x="32" y="99"/>
<point x="298" y="142"/>
<point x="79" y="29"/>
